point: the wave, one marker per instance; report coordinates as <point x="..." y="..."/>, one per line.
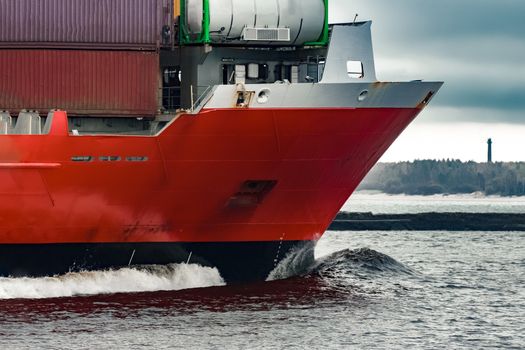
<point x="124" y="280"/>
<point x="296" y="263"/>
<point x="357" y="262"/>
<point x="362" y="260"/>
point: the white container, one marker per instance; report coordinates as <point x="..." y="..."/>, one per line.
<point x="253" y="71"/>
<point x="240" y="74"/>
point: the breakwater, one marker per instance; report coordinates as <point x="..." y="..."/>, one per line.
<point x="429" y="221"/>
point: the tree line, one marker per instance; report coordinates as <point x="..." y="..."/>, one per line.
<point x="427" y="177"/>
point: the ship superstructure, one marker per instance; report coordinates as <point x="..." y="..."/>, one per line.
<point x="221" y="132"/>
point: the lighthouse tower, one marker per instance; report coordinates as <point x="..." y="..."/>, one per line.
<point x="489" y="155"/>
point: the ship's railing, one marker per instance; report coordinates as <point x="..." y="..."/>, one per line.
<point x="171" y="97"/>
<point x="199" y="95"/>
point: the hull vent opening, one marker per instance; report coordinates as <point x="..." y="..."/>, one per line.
<point x="266" y="34"/>
<point x="252" y="193"/>
<point x="81" y="159"/>
<point x="109" y="158"/>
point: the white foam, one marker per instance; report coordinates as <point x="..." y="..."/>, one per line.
<point x="296" y="262"/>
<point x="151" y="278"/>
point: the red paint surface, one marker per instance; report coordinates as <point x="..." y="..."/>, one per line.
<point x="81" y="82"/>
<point x="194" y="167"/>
<point x="29" y="165"/>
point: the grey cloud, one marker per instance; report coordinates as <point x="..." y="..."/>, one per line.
<point x="450" y="114"/>
<point x="444" y="18"/>
<point x="470" y="96"/>
<point x="476" y="46"/>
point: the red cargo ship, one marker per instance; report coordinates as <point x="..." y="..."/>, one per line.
<point x="235" y="150"/>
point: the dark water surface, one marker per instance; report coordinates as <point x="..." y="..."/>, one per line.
<point x="424" y="290"/>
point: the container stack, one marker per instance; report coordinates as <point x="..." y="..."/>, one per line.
<point x="88" y="57"/>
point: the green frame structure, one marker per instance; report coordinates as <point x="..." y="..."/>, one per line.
<point x="323" y="39"/>
<point x="204" y="36"/>
<point x="185" y="38"/>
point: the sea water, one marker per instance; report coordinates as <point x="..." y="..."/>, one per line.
<point x="381" y="203"/>
<point x="388" y="290"/>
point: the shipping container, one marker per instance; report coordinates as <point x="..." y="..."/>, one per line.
<point x="176" y="8"/>
<point x="82" y="82"/>
<point x="130" y="24"/>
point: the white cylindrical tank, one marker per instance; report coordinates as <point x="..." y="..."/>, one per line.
<point x="228" y="18"/>
<point x="266" y="13"/>
<point x="221" y="19"/>
<point x="194" y="15"/>
<point x="243" y="14"/>
<point x="305" y="18"/>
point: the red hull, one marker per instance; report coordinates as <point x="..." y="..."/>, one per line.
<point x="193" y="169"/>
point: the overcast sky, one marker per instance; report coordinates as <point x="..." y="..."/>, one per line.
<point x="477" y="47"/>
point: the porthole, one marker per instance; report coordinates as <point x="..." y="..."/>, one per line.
<point x="362" y="96"/>
<point x="263" y="96"/>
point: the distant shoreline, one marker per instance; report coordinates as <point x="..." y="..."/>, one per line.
<point x="448" y="176"/>
<point x="476" y="195"/>
<point x="346" y="221"/>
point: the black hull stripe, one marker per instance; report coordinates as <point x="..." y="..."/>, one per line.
<point x="236" y="261"/>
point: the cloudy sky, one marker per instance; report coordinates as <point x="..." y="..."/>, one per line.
<point x="477" y="47"/>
